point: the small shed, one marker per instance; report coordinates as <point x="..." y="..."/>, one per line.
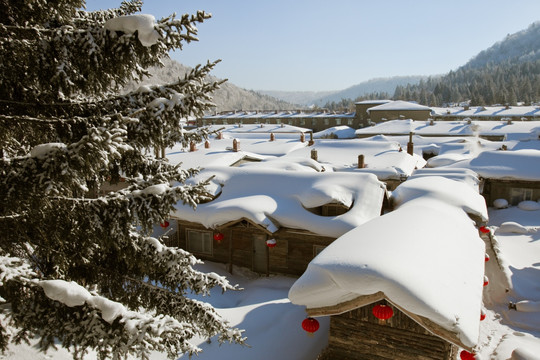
<point x="274" y="220"/>
<point x="424" y="260"/>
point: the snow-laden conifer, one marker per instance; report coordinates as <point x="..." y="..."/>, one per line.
<point x="78" y="266"/>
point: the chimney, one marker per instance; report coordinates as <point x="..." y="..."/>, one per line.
<point x="302" y="137"/>
<point x="311" y="142"/>
<point x="361" y="163"/>
<point x="220" y="135"/>
<point x="314" y="155"/>
<point x="236" y="145"/>
<point x="192" y="146"/>
<point x="410" y="145"/>
<point x="272" y="137"/>
<point x="207" y="144"/>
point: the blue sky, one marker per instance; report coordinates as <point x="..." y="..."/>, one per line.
<point x="318" y="45"/>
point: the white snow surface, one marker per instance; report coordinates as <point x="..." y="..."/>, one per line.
<point x="274" y="198"/>
<point x="413" y="275"/>
<point x="129" y="24"/>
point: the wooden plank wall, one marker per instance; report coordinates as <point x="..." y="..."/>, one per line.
<point x="357" y="334"/>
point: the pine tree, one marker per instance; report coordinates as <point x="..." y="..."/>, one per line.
<point x="76" y="267"/>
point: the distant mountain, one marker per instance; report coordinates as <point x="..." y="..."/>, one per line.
<point x="228" y="97"/>
<point x="305" y="98"/>
<point x="523" y="46"/>
<point x="377" y="85"/>
<point x="506" y="73"/>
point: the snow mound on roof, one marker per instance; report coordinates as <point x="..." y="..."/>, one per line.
<point x="438" y="189"/>
<point x="518" y="164"/>
<point x="341" y="132"/>
<point x="274" y="198"/>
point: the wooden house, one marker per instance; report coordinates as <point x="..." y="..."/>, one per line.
<point x="424" y="262"/>
<point x="398" y="110"/>
<point x="513" y="175"/>
<point x="275" y="221"/>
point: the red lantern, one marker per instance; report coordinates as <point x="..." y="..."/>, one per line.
<point x="164" y="224"/>
<point x="310" y="325"/>
<point x="482" y="315"/>
<point x="271" y="243"/>
<point x="465" y="355"/>
<point x="486" y="280"/>
<point x="218" y="236"/>
<point x="486" y="257"/>
<point x="484" y="229"/>
<point x="382" y="312"/>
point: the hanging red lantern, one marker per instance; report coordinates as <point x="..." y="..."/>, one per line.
<point x="218" y="236"/>
<point x="310" y="325"/>
<point x="164" y="224"/>
<point x="271" y="243"/>
<point x="465" y="355"/>
<point x="482" y="315"/>
<point x="484" y="229"/>
<point x="486" y="280"/>
<point x="382" y="312"/>
<point x="486" y="257"/>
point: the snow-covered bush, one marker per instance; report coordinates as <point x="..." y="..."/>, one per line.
<point x="529" y="205"/>
<point x="500" y="203"/>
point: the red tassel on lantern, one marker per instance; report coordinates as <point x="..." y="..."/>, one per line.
<point x="164" y="224"/>
<point x="218" y="236"/>
<point x="310" y="325"/>
<point x="382" y="312"/>
<point x="465" y="355"/>
<point x="486" y="280"/>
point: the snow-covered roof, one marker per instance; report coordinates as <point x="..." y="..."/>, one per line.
<point x="399" y="105"/>
<point x="425" y="257"/>
<point x="274" y="198"/>
<point x="465" y="175"/>
<point x="516" y="164"/>
<point x="488" y="111"/>
<point x="371" y="102"/>
<point x="381" y="156"/>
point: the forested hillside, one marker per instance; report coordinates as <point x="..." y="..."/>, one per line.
<point x="228" y="97"/>
<point x="506" y="73"/>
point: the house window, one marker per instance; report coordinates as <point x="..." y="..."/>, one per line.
<point x="225" y="122"/>
<point x="313" y="122"/>
<point x="338" y="121"/>
<point x="350" y="122"/>
<point x="317" y="249"/>
<point x="520" y="194"/>
<point x="204" y="122"/>
<point x="199" y="242"/>
<point x="303" y="122"/>
<point x="326" y="122"/>
<point x="334" y="209"/>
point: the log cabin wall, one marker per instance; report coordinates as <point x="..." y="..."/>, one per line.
<point x="293" y="251"/>
<point x="357" y="334"/>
